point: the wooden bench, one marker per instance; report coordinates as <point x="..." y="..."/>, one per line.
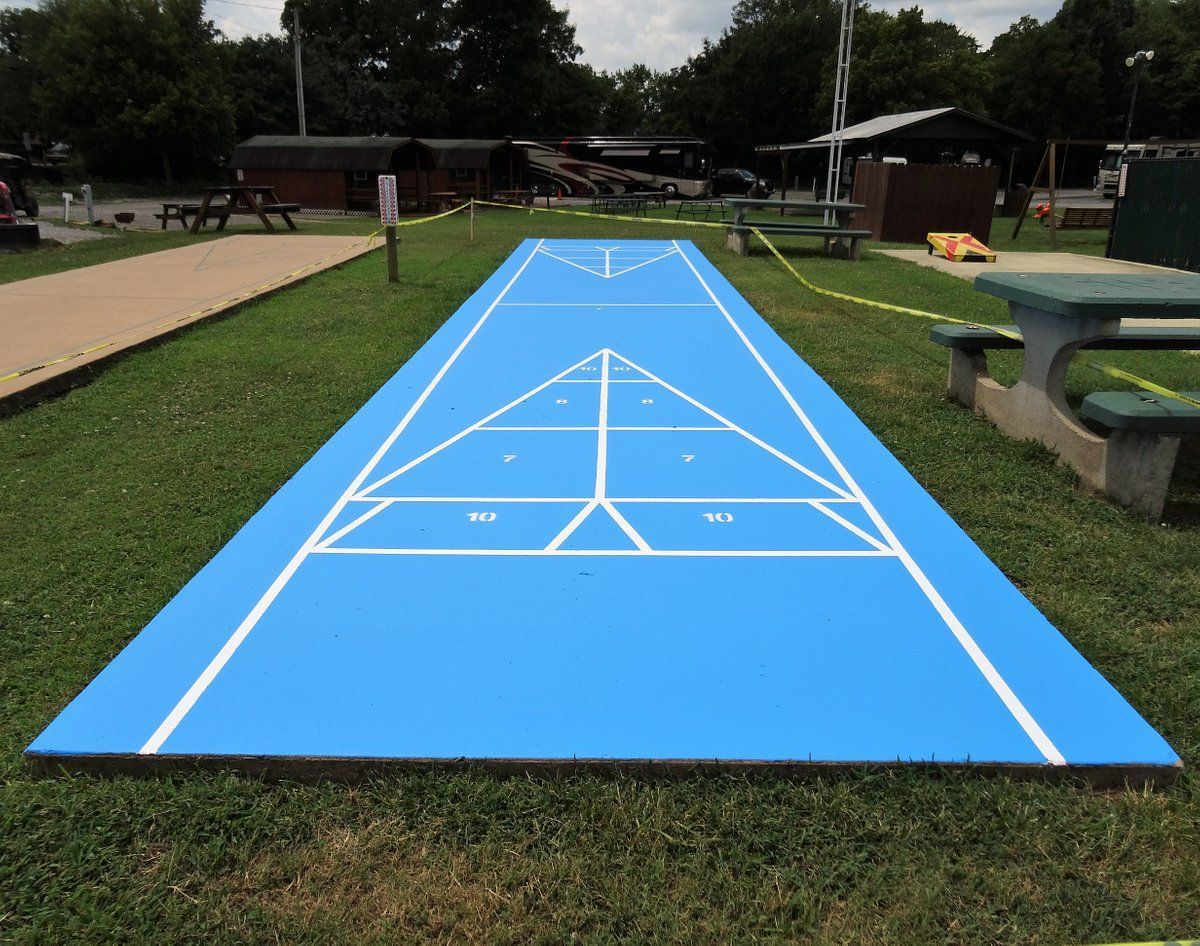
<point x="1132" y="459"/>
<point x="179" y="212"/>
<point x="833" y="236"/>
<point x="1085" y="218"/>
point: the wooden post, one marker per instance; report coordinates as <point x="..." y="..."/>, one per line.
<point x="783" y="163"/>
<point x="389" y="212"/>
<point x="1053" y="219"/>
<point x="392" y="262"/>
<point x="471" y="210"/>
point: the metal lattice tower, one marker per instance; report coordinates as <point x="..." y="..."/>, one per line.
<point x="841" y="92"/>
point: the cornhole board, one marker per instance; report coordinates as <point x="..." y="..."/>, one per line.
<point x="959" y="248"/>
<point x="604" y="516"/>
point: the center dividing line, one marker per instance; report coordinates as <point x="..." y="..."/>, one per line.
<point x="217" y="664"/>
<point x="602" y="429"/>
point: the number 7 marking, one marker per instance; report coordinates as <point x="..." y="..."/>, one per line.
<point x="689" y="457"/>
<point x="509" y="457"/>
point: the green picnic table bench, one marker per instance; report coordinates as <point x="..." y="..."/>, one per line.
<point x="1132" y="457"/>
<point x="839" y="239"/>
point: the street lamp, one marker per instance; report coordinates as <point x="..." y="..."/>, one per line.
<point x="1137" y="62"/>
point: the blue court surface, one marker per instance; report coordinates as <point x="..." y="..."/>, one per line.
<point x="605" y="514"/>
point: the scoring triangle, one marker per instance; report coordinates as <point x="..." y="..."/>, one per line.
<point x="599" y="531"/>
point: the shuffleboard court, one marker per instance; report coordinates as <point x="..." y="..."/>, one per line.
<point x="605" y="514"/>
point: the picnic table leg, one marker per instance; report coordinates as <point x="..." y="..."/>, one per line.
<point x="1036" y="408"/>
<point x="738" y="242"/>
<point x="253" y="204"/>
<point x="201" y="214"/>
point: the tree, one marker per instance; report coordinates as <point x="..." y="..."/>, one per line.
<point x="904" y="62"/>
<point x="22" y="32"/>
<point x="1045" y="83"/>
<point x="259" y="75"/>
<point x="515" y="70"/>
<point x="375" y="66"/>
<point x="132" y="83"/>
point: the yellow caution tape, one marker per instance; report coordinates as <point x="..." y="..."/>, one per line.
<point x="1079" y="357"/>
<point x="1159" y="942"/>
<point x="592" y="216"/>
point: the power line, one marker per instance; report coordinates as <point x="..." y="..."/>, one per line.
<point x="256" y="6"/>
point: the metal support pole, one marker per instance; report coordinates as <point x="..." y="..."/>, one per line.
<point x="392" y="262"/>
<point x="299" y="73"/>
<point x="471" y="210"/>
<point x="1053" y="219"/>
<point x="833" y="176"/>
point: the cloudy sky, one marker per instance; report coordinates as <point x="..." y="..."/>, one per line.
<point x="663" y="33"/>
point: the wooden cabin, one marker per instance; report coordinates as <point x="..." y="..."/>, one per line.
<point x="341" y="174"/>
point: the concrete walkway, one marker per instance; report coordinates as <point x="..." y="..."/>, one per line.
<point x="58" y="328"/>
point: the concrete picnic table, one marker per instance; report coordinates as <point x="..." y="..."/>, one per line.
<point x="833" y="233"/>
<point x="1057" y="314"/>
<point x="742" y="205"/>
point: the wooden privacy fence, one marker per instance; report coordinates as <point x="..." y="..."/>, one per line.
<point x="906" y="201"/>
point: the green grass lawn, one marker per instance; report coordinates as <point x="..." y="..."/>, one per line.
<point x="114" y="495"/>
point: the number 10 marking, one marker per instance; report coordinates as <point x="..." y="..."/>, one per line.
<point x="718" y="516"/>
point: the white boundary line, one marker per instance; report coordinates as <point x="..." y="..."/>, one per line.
<point x="657" y="553"/>
<point x="201" y="683"/>
<point x="1013" y="703"/>
<point x="673" y="500"/>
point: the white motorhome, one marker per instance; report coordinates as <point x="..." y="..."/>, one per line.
<point x="1109" y="170"/>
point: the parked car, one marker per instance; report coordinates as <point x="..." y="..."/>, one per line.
<point x="738" y="181"/>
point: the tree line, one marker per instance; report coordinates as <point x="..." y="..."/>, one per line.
<point x="150" y="88"/>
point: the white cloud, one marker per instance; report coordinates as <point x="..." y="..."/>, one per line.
<point x="244" y="18"/>
<point x="660" y="33"/>
<point x="663" y="33"/>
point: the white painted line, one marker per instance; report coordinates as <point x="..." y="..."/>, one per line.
<point x="721" y="499"/>
<point x="571" y="526"/>
<point x="602" y="429"/>
<point x="708" y="429"/>
<point x="611" y="305"/>
<point x="475" y="426"/>
<point x="847" y="524"/>
<point x="535" y="428"/>
<point x="741" y="430"/>
<point x="487" y="499"/>
<point x="1014" y="705"/>
<point x="346" y="530"/>
<point x="587" y="499"/>
<point x="657" y="553"/>
<point x="201" y="683"/>
<point x="634" y="535"/>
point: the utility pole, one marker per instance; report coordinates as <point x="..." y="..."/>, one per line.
<point x="841" y="92"/>
<point x="299" y="74"/>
